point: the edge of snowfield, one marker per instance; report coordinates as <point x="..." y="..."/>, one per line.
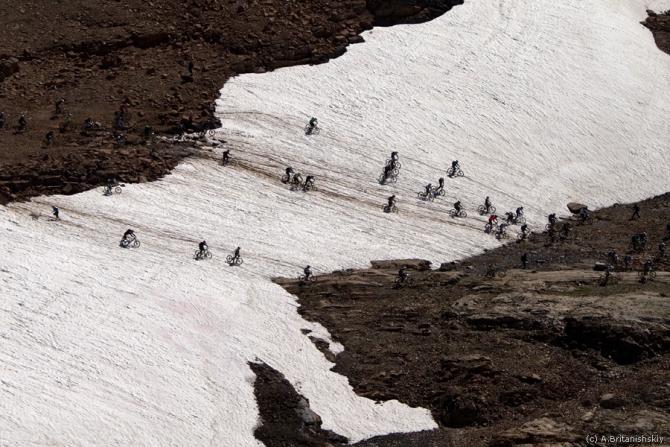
<point x="102" y="345"/>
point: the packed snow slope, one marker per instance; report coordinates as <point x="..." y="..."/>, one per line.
<point x="542" y="103"/>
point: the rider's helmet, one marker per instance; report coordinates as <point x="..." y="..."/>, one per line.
<point x="238" y="248"/>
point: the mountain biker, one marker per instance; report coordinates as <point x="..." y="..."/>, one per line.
<point x="634" y="239"/>
<point x="203" y="248"/>
<point x="49" y="137"/>
<point x="519" y="212"/>
<point x="297" y="178"/>
<point x="552" y="218"/>
<point x="608" y="270"/>
<point x="237" y="253"/>
<point x="387" y="170"/>
<point x="501" y="229"/>
<point x="493" y="220"/>
<point x="457" y="206"/>
<point x="626" y="261"/>
<point x="226" y="156"/>
<point x="148" y="130"/>
<point x="487" y="203"/>
<point x="120" y="139"/>
<point x="128" y="235"/>
<point x="391" y="201"/>
<point x="584" y="214"/>
<point x="402" y="273"/>
<point x="394" y="156"/>
<point x="123" y="108"/>
<point x="647" y="266"/>
<point x="613" y="257"/>
<point x="309" y="181"/>
<point x="643" y="237"/>
<point x="22" y="122"/>
<point x="308" y="272"/>
<point x="661" y="248"/>
<point x="667" y="228"/>
<point x="59" y="105"/>
<point x="88" y="122"/>
<point x="441" y="184"/>
<point x="429" y="189"/>
<point x="55" y="213"/>
<point x="313" y="123"/>
<point x="510" y="216"/>
<point x="566" y="229"/>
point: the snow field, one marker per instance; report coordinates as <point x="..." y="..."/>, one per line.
<point x="542" y="103"/>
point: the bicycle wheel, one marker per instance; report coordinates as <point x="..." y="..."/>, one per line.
<point x="397" y="165"/>
<point x="520" y="220"/>
<point x="123" y="243"/>
<point x="452" y="213"/>
<point x="208" y="255"/>
<point x="652" y="274"/>
<point x="211" y="132"/>
<point x="490" y="274"/>
<point x="531" y="237"/>
<point x="136" y="243"/>
<point x="410" y="281"/>
<point x="8" y="126"/>
<point x="118" y="190"/>
<point x="460" y="173"/>
<point x="450" y="172"/>
<point x="501" y="273"/>
<point x="521" y="237"/>
<point x="503" y="236"/>
<point x="301" y="279"/>
<point x="316" y="131"/>
<point x="197" y="254"/>
<point x="481" y="209"/>
<point x="462" y="214"/>
<point x="439" y="192"/>
<point x="229" y="259"/>
<point x="285" y="178"/>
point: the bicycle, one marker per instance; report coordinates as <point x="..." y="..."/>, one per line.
<point x="20" y="129"/>
<point x="203" y="254"/>
<point x="390" y="209"/>
<point x="315" y="130"/>
<point x="639" y="246"/>
<point x="407" y="280"/>
<point x="310" y="187"/>
<point x="517" y="220"/>
<point x="530" y="237"/>
<point x="608" y="279"/>
<point x="454" y="213"/>
<point x="438" y="192"/>
<point x="651" y="273"/>
<point x="303" y="279"/>
<point x="234" y="260"/>
<point x="5" y="125"/>
<point x="391" y="179"/>
<point x="492" y="272"/>
<point x="451" y="172"/>
<point x="429" y="196"/>
<point x="501" y="235"/>
<point x="129" y="242"/>
<point x="395" y="164"/>
<point x="49" y="142"/>
<point x="109" y="190"/>
<point x="482" y="210"/>
<point x="587" y="221"/>
<point x="66" y="125"/>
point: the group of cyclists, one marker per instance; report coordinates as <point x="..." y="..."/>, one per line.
<point x="296" y="181"/>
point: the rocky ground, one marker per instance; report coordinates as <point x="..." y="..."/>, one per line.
<point x="544" y="356"/>
<point x="98" y="55"/>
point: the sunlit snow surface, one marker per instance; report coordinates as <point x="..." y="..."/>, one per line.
<point x="542" y="102"/>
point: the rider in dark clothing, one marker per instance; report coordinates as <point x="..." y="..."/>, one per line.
<point x="22" y="121"/>
<point x="441" y="183"/>
<point x="394" y="156"/>
<point x="237" y="253"/>
<point x="429" y="189"/>
<point x="457" y="205"/>
<point x="487" y="203"/>
<point x="203" y="246"/>
<point x="402" y="273"/>
<point x="129" y="234"/>
<point x="226" y="156"/>
<point x="49" y="136"/>
<point x="308" y="272"/>
<point x="391" y="201"/>
<point x="552" y="218"/>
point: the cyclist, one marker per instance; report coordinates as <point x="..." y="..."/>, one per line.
<point x="608" y="272"/>
<point x="634" y="239"/>
<point x="313" y="123"/>
<point x="118" y="122"/>
<point x="510" y="216"/>
<point x="309" y="181"/>
<point x="2" y="119"/>
<point x="613" y="257"/>
<point x="552" y="218"/>
<point x="129" y="235"/>
<point x="67" y="120"/>
<point x="88" y="122"/>
<point x="524" y="229"/>
<point x="59" y="105"/>
<point x="455" y="167"/>
<point x="148" y="131"/>
<point x="647" y="267"/>
<point x="226" y="156"/>
<point x="493" y="268"/>
<point x="236" y="255"/>
<point x="120" y="139"/>
<point x="394" y="156"/>
<point x="501" y="229"/>
<point x="667" y="228"/>
<point x="487" y="204"/>
<point x="493" y="220"/>
<point x="583" y="214"/>
<point x="519" y="212"/>
<point x="457" y="206"/>
<point x="387" y="170"/>
<point x="55" y="213"/>
<point x="429" y="189"/>
<point x="123" y="108"/>
<point x="626" y="261"/>
<point x="308" y="272"/>
<point x="289" y="171"/>
<point x="22" y="121"/>
<point x="441" y="184"/>
<point x="402" y="273"/>
<point x="391" y="201"/>
<point x="203" y="248"/>
<point x="567" y="227"/>
<point x="643" y="238"/>
<point x="661" y="248"/>
<point x="297" y="178"/>
<point x="49" y="137"/>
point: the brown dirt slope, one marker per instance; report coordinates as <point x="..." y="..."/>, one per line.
<point x="97" y="54"/>
<point x="543" y="355"/>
